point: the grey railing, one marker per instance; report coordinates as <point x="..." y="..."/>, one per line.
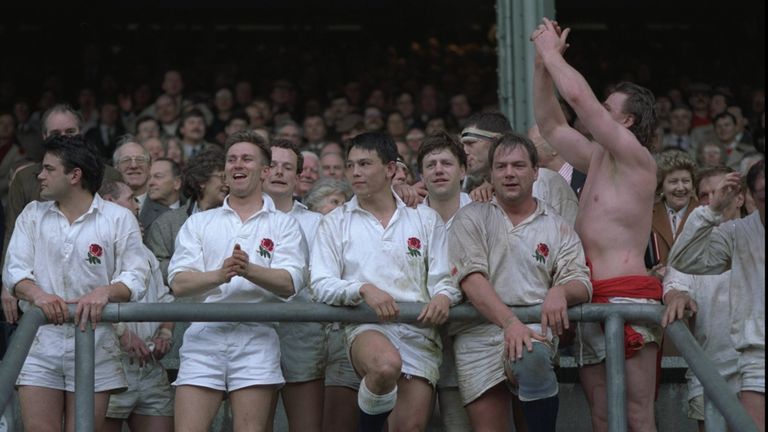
<point x="715" y="388"/>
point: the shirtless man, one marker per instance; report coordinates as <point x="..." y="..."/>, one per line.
<point x="614" y="219"/>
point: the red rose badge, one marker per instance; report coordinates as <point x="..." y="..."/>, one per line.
<point x="541" y="253"/>
<point x="94" y="253"/>
<point x="414" y="247"/>
<point x="266" y="247"/>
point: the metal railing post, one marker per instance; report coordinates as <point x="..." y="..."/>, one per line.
<point x="84" y="379"/>
<point x="18" y="348"/>
<point x="616" y="387"/>
<point x="715" y="387"/>
<point x="713" y="420"/>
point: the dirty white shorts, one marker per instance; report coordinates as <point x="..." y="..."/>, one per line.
<point x="339" y="371"/>
<point x="51" y="359"/>
<point x="148" y="394"/>
<point x="229" y="356"/>
<point x="419" y="347"/>
<point x="303" y="348"/>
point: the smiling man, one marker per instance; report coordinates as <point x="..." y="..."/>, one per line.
<point x="443" y="163"/>
<point x="309" y="174"/>
<point x="244" y="251"/>
<point x="398" y="363"/>
<point x="302" y="345"/>
<point x="163" y="190"/>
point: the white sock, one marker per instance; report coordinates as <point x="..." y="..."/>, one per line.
<point x="374" y="404"/>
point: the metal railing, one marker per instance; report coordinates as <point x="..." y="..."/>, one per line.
<point x="716" y="389"/>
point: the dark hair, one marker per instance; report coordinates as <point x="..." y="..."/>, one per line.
<point x="722" y="115"/>
<point x="250" y="136"/>
<point x="754" y="172"/>
<point x="199" y="170"/>
<point x="289" y="145"/>
<point x="144" y="119"/>
<point x="238" y="115"/>
<point x="175" y="168"/>
<point x="441" y="141"/>
<point x="381" y="143"/>
<point x="490" y="121"/>
<point x="74" y="152"/>
<point x="194" y="112"/>
<point x="641" y="105"/>
<point x="510" y="140"/>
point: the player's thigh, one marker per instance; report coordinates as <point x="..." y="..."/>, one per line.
<point x="145" y="423"/>
<point x="195" y="407"/>
<point x="41" y="408"/>
<point x="252" y="407"/>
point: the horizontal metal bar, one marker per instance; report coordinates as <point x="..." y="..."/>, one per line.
<point x="314" y="312"/>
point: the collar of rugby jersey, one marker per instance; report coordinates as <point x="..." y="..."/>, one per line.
<point x="541" y="210"/>
<point x="96" y="204"/>
<point x="267" y="206"/>
<point x="354" y="204"/>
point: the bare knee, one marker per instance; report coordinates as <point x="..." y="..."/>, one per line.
<point x="640" y="417"/>
<point x="385" y="369"/>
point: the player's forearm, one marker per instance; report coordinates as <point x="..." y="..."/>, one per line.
<point x="191" y="283"/>
<point x="569" y="82"/>
<point x="575" y="292"/>
<point x="485" y="299"/>
<point x="117" y="292"/>
<point x="278" y="281"/>
<point x="545" y="106"/>
<point x="27" y="290"/>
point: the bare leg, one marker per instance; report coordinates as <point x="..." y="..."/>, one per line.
<point x="251" y="408"/>
<point x="414" y="405"/>
<point x="490" y="412"/>
<point x="754" y="403"/>
<point x="42" y="409"/>
<point x="304" y="405"/>
<point x="340" y="409"/>
<point x="641" y="388"/>
<point x="593" y="382"/>
<point x="195" y="407"/>
<point x="518" y="417"/>
<point x="115" y="425"/>
<point x="379" y="363"/>
<point x="100" y="399"/>
<point x="144" y="423"/>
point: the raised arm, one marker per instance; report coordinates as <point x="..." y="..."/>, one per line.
<point x="575" y="148"/>
<point x="613" y="136"/>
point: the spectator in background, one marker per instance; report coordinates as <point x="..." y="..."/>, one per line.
<point x="174" y="150"/>
<point x="166" y="110"/>
<point x="243" y="93"/>
<point x="309" y="175"/>
<point x="163" y="190"/>
<point x="203" y="185"/>
<point x="718" y="102"/>
<point x="147" y="127"/>
<point x="223" y="103"/>
<point x="726" y="131"/>
<point x="674" y="187"/>
<point x="332" y="165"/>
<point x="259" y="113"/>
<point x="404" y="105"/>
<point x="679" y="136"/>
<point x="711" y="154"/>
<point x="103" y="136"/>
<point x="698" y="100"/>
<point x="290" y="131"/>
<point x="10" y="153"/>
<point x="374" y="119"/>
<point x="460" y="111"/>
<point x="327" y="194"/>
<point x="153" y="146"/>
<point x="192" y="132"/>
<point x="314" y="133"/>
